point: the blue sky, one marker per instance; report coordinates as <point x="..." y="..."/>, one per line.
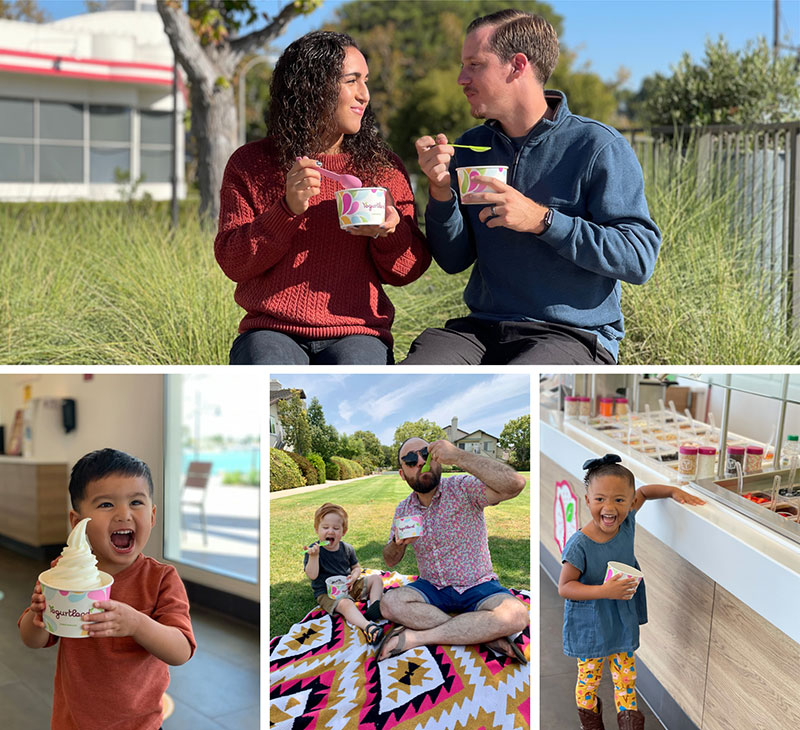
<point x="380" y="403"/>
<point x="645" y="36"/>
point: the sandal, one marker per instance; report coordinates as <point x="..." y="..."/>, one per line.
<point x="401" y="642"/>
<point x="372" y="633"/>
<point x="517" y="651"/>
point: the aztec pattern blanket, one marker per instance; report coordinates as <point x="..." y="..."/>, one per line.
<point x="324" y="676"/>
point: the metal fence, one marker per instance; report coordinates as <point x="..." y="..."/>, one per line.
<point x="756" y="169"/>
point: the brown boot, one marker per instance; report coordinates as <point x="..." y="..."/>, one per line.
<point x="630" y="720"/>
<point x="591" y="720"/>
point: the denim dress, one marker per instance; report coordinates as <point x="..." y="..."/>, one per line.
<point x="603" y="626"/>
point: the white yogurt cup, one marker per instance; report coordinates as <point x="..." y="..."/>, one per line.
<point x="408" y="526"/>
<point x="337" y="586"/>
<point x="615" y="568"/>
<point x="467" y="184"/>
<point x="361" y="207"/>
<point x="63" y="611"/>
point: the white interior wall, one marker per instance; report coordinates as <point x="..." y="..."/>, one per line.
<point x="120" y="411"/>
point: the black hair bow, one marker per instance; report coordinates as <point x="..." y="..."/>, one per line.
<point x="602" y="461"/>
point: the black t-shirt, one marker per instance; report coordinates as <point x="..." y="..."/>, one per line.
<point x="332" y="562"/>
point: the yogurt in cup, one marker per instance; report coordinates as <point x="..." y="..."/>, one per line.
<point x="71" y="587"/>
<point x="467" y="175"/>
<point x="337" y="586"/>
<point x="361" y="207"/>
<point x="408" y="526"/>
<point x="626" y="571"/>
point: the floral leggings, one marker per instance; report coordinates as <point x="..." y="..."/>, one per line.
<point x="623" y="672"/>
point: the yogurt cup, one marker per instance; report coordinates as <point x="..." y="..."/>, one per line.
<point x="337" y="586"/>
<point x="62" y="615"/>
<point x="361" y="207"/>
<point x="408" y="526"/>
<point x="467" y="175"/>
<point x="615" y="568"/>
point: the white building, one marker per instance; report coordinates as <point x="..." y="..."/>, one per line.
<point x="82" y="97"/>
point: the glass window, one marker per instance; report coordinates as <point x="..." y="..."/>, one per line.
<point x="60" y="121"/>
<point x="104" y="161"/>
<point x="16" y="162"/>
<point x="109" y="124"/>
<point x="212" y="473"/>
<point x="156" y="165"/>
<point x="156" y="127"/>
<point x="16" y="118"/>
<point x="60" y="164"/>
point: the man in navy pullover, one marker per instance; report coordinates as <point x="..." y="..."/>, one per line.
<point x="551" y="245"/>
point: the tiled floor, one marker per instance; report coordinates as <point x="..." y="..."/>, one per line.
<point x="217" y="689"/>
<point x="558" y="672"/>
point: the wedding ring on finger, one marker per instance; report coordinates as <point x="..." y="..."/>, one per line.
<point x="494" y="213"/>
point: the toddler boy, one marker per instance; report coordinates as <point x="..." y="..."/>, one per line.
<point x="118" y="676"/>
<point x="330" y="556"/>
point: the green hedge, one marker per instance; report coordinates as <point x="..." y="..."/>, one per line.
<point x="283" y="472"/>
<point x="348" y="469"/>
<point x="319" y="465"/>
<point x="332" y="470"/>
<point x="308" y="470"/>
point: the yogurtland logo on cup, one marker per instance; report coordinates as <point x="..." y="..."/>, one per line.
<point x="62" y="615"/>
<point x="361" y="207"/>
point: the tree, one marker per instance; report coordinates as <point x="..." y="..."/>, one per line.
<point x="324" y="437"/>
<point x="516" y="438"/>
<point x="414" y="50"/>
<point x="423" y="428"/>
<point x="294" y="420"/>
<point x="729" y="87"/>
<point x="372" y="446"/>
<point x="205" y="45"/>
<point x="23" y="10"/>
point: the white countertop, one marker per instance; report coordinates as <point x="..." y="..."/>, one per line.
<point x="5" y="459"/>
<point x="758" y="566"/>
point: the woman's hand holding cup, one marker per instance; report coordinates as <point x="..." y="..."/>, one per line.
<point x="303" y="182"/>
<point x="620" y="587"/>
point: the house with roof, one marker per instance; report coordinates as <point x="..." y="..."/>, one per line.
<point x="86" y="101"/>
<point x="277" y="434"/>
<point x="477" y="442"/>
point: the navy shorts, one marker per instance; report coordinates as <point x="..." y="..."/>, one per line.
<point x="450" y="600"/>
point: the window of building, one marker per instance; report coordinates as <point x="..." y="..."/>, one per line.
<point x="212" y="474"/>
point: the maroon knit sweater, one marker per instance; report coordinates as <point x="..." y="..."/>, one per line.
<point x="302" y="274"/>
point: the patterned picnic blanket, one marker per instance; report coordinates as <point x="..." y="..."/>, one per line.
<point x="324" y="676"/>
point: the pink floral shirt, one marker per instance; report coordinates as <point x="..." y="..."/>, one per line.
<point x="454" y="548"/>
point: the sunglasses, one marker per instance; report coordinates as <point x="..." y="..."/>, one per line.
<point x="411" y="457"/>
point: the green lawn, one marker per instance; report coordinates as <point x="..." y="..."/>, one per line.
<point x="370" y="505"/>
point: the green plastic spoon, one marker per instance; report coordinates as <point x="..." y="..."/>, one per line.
<point x="427" y="465"/>
<point x="474" y="148"/>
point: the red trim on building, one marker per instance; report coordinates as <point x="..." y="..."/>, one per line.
<point x="98" y="62"/>
<point x="86" y="75"/>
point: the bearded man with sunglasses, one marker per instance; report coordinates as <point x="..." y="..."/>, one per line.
<point x="455" y="567"/>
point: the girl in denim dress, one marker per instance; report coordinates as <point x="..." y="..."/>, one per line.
<point x="601" y="619"/>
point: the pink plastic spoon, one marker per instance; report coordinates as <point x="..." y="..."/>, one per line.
<point x="347" y="181"/>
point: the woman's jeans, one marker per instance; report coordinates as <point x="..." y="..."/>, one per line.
<point x="268" y="347"/>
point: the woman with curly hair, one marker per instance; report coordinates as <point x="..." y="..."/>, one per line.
<point x="312" y="291"/>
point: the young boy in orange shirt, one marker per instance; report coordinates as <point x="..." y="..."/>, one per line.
<point x="117" y="677"/>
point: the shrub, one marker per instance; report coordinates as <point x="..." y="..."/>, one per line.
<point x="367" y="467"/>
<point x="332" y="470"/>
<point x="348" y="469"/>
<point x="319" y="465"/>
<point x="283" y="472"/>
<point x="251" y="478"/>
<point x="306" y="467"/>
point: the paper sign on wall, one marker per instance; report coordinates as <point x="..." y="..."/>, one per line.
<point x="565" y="514"/>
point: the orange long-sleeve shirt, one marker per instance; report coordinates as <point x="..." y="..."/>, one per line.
<point x="302" y="274"/>
<point x="113" y="683"/>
